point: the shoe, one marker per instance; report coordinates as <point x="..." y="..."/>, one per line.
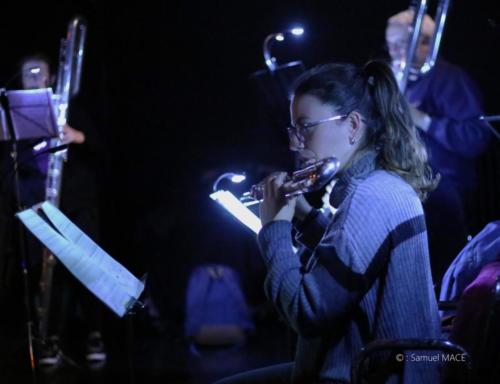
<point x="95" y="348"/>
<point x="50" y="353"/>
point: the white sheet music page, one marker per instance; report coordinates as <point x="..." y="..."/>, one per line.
<point x="99" y="272"/>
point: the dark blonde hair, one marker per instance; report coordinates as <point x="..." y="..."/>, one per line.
<point x="373" y="92"/>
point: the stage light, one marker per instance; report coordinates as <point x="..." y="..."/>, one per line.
<point x="237" y="178"/>
<point x="280" y="36"/>
<point x="234" y="177"/>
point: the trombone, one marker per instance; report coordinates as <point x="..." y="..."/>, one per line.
<point x="403" y="71"/>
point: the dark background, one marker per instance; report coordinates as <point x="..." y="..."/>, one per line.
<point x="168" y="85"/>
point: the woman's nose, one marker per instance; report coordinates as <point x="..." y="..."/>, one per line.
<point x="294" y="144"/>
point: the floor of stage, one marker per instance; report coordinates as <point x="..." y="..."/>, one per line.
<point x="143" y="351"/>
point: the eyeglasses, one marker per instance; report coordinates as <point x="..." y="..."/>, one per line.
<point x="301" y="130"/>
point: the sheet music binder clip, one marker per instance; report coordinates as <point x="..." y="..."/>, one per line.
<point x="135" y="305"/>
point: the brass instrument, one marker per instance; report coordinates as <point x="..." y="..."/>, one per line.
<point x="67" y="86"/>
<point x="403" y="69"/>
<point x="308" y="179"/>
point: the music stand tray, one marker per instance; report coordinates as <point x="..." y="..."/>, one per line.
<point x="32" y="114"/>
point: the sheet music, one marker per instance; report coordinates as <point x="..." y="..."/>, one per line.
<point x="98" y="271"/>
<point x="71" y="232"/>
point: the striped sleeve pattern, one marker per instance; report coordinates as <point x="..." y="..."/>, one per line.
<point x="377" y="234"/>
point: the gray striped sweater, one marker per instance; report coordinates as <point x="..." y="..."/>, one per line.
<point x="368" y="276"/>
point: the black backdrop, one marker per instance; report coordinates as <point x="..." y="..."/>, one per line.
<point x="168" y="85"/>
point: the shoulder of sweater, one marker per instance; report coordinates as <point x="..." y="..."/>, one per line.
<point x="380" y="197"/>
<point x="381" y="191"/>
<point x="377" y="204"/>
<point x="383" y="182"/>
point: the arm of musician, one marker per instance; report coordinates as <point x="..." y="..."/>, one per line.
<point x="421" y="119"/>
<point x="310" y="300"/>
<point x="313" y="297"/>
<point x="72" y="135"/>
<point x="311" y="229"/>
<point x="79" y="119"/>
<point x="457" y="126"/>
<point x="310" y="223"/>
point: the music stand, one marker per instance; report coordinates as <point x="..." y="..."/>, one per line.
<point x="32" y="114"/>
<point x="4" y="129"/>
<point x="26" y="114"/>
<point x="491" y="119"/>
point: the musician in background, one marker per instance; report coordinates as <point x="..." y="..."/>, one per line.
<point x="33" y="171"/>
<point x="79" y="201"/>
<point x="445" y="105"/>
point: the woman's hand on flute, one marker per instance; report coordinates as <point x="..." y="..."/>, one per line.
<point x="275" y="205"/>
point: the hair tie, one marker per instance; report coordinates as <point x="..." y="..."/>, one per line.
<point x="368" y="74"/>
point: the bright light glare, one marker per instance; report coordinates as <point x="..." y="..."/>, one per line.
<point x="236" y="178"/>
<point x="237" y="209"/>
<point x="280" y="37"/>
<point x="299" y="31"/>
<point x="40" y="145"/>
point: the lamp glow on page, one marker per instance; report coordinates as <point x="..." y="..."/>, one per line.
<point x="236" y="208"/>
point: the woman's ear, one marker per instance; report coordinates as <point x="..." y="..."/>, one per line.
<point x="355" y="130"/>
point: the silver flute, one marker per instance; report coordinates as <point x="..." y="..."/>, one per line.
<point x="308" y="179"/>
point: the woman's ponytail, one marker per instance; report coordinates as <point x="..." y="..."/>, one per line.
<point x="400" y="147"/>
<point x="373" y="92"/>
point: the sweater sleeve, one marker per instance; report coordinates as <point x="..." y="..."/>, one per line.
<point x="311" y="299"/>
<point x="350" y="257"/>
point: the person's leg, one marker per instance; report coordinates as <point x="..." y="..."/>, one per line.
<point x="56" y="318"/>
<point x="87" y="219"/>
<point x="275" y="374"/>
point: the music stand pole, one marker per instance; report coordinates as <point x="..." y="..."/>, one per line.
<point x="22" y="245"/>
<point x="491" y="118"/>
